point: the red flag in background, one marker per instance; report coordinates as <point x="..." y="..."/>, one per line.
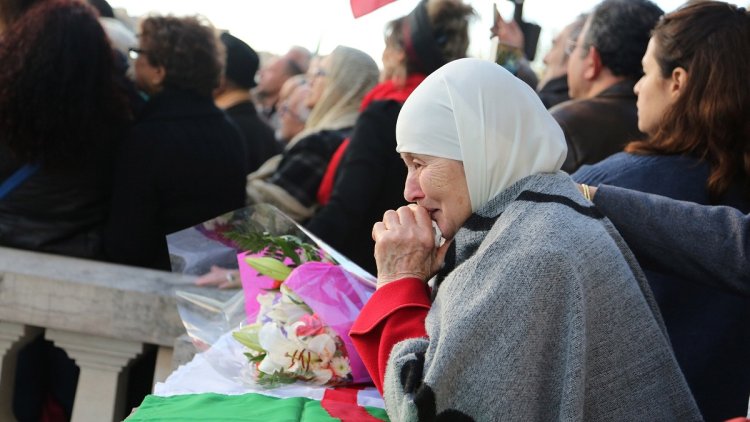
<point x="363" y="7"/>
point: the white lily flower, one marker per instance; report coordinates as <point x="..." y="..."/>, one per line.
<point x="268" y="365"/>
<point x="279" y="348"/>
<point x="324" y="346"/>
<point x="288" y="296"/>
<point x="266" y="299"/>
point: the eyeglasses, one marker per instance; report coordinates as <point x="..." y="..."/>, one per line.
<point x="133" y="52"/>
<point x="570" y="47"/>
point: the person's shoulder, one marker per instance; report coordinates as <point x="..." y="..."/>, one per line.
<point x="610" y="168"/>
<point x="317" y="141"/>
<point x="568" y="109"/>
<point x="578" y="109"/>
<point x="324" y="136"/>
<point x="382" y="108"/>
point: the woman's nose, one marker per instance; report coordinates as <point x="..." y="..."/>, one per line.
<point x="412" y="190"/>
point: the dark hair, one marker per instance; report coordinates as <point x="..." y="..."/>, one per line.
<point x="103" y="7"/>
<point x="189" y="50"/>
<point x="711" y="41"/>
<point x="60" y="94"/>
<point x="450" y="24"/>
<point x="620" y="30"/>
<point x="10" y="10"/>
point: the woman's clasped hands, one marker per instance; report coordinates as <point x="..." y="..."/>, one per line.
<point x="405" y="245"/>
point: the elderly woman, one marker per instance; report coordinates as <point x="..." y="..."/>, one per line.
<point x="291" y="180"/>
<point x="184" y="161"/>
<point x="694" y="103"/>
<point x="540" y="311"/>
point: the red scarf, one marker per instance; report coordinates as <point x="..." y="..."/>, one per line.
<point x="381" y="92"/>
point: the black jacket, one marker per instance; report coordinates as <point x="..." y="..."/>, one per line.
<point x="554" y="92"/>
<point x="369" y="181"/>
<point x="260" y="142"/>
<point x="62" y="210"/>
<point x="184" y="163"/>
<point x="598" y="127"/>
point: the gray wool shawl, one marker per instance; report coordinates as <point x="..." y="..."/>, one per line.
<point x="545" y="316"/>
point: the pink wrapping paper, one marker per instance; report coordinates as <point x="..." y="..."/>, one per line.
<point x="334" y="294"/>
<point x="254" y="283"/>
<point x="337" y="297"/>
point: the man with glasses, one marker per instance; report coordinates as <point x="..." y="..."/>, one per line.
<point x="603" y="66"/>
<point x="553" y="88"/>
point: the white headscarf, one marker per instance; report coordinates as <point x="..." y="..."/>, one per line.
<point x="475" y="111"/>
<point x="352" y="73"/>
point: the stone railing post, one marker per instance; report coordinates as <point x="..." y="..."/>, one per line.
<point x="12" y="337"/>
<point x="99" y="393"/>
<point x="101" y="314"/>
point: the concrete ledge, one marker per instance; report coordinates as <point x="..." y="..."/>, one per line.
<point x="106" y="300"/>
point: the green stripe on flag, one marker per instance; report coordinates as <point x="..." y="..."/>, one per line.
<point x="246" y="408"/>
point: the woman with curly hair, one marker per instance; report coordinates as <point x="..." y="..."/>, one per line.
<point x="62" y="115"/>
<point x="63" y="112"/>
<point x="183" y="162"/>
<point x="693" y="103"/>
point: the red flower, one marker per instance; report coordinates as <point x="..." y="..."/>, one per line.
<point x="312" y="326"/>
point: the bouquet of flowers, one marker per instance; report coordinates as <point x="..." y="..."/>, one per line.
<point x="300" y="298"/>
<point x="300" y="304"/>
<point x="290" y="342"/>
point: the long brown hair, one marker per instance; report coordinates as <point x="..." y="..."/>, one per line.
<point x="711" y="118"/>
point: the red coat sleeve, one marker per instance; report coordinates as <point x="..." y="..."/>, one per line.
<point x="395" y="312"/>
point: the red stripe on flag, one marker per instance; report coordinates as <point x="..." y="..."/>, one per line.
<point x="363" y="7"/>
<point x="342" y="403"/>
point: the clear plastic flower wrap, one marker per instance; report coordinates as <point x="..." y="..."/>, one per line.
<point x="301" y="297"/>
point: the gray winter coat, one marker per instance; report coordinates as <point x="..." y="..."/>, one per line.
<point x="546" y="316"/>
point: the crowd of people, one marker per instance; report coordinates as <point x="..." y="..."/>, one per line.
<point x="595" y="261"/>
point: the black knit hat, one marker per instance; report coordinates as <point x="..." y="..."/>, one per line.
<point x="242" y="61"/>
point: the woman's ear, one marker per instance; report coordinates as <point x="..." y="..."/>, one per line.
<point x="678" y="83"/>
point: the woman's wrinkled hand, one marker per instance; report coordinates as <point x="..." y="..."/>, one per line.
<point x="405" y="245"/>
<point x="221" y="278"/>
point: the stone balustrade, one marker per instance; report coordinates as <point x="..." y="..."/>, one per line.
<point x="101" y="314"/>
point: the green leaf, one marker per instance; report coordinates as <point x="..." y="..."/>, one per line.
<point x="268" y="266"/>
<point x="275" y="379"/>
<point x="248" y="337"/>
<point x="255" y="359"/>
